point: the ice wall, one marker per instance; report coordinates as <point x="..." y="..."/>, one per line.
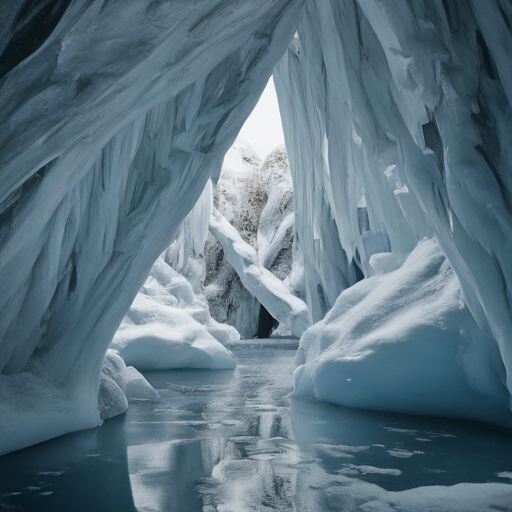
<point x="113" y="120"/>
<point x="398" y="122"/>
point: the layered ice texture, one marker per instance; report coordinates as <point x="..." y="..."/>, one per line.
<point x="114" y="117"/>
<point x="398" y="125"/>
<point x="398" y="122"/>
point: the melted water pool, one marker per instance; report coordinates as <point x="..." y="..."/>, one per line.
<point x="235" y="441"/>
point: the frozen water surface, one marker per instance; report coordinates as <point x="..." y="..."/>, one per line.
<point x="234" y="440"/>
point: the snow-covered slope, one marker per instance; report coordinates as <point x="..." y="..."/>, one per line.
<point x="256" y="198"/>
<point x="239" y="196"/>
<point x="270" y="291"/>
<point x="397" y="120"/>
<point x="111" y="128"/>
<point x="277" y="220"/>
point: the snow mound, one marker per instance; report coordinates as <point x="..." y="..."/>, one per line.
<point x="405" y="342"/>
<point x="168" y="327"/>
<point x="111" y="399"/>
<point x="120" y="385"/>
<point x="32" y="410"/>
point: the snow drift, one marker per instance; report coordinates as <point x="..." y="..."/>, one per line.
<point x="167" y="327"/>
<point x="405" y="342"/>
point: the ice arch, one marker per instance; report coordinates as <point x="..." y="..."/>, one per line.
<point x="112" y="127"/>
<point x="397" y="118"/>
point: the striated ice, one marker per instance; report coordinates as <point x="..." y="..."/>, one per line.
<point x="397" y="120"/>
<point x="114" y="117"/>
<point x="398" y="126"/>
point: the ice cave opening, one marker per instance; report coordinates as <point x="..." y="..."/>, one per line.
<point x="266" y="324"/>
<point x="264" y="247"/>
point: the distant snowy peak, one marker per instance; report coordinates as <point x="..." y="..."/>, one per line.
<point x="242" y="156"/>
<point x="275" y="169"/>
<point x="245" y="157"/>
<point x="255" y="196"/>
<point x="240" y="195"/>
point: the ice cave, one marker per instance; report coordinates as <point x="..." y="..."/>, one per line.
<point x="256" y="255"/>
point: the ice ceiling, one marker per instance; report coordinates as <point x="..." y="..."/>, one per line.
<point x="397" y="119"/>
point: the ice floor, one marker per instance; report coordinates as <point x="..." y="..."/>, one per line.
<point x="233" y="440"/>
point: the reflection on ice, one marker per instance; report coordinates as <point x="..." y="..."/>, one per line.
<point x="163" y="475"/>
<point x="86" y="471"/>
<point x="234" y="441"/>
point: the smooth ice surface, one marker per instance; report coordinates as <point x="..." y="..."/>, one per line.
<point x="229" y="441"/>
<point x="167" y="326"/>
<point x="114" y="115"/>
<point x="405" y="342"/>
<point x="274" y="294"/>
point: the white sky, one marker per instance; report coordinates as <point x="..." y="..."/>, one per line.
<point x="263" y="127"/>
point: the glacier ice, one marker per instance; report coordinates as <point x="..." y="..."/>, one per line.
<point x="255" y="196"/>
<point x="397" y="119"/>
<point x="120" y="385"/>
<point x="167" y="326"/>
<point x="238" y="196"/>
<point x="397" y="123"/>
<point x="186" y="253"/>
<point x="112" y="127"/>
<point x="277" y="220"/>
